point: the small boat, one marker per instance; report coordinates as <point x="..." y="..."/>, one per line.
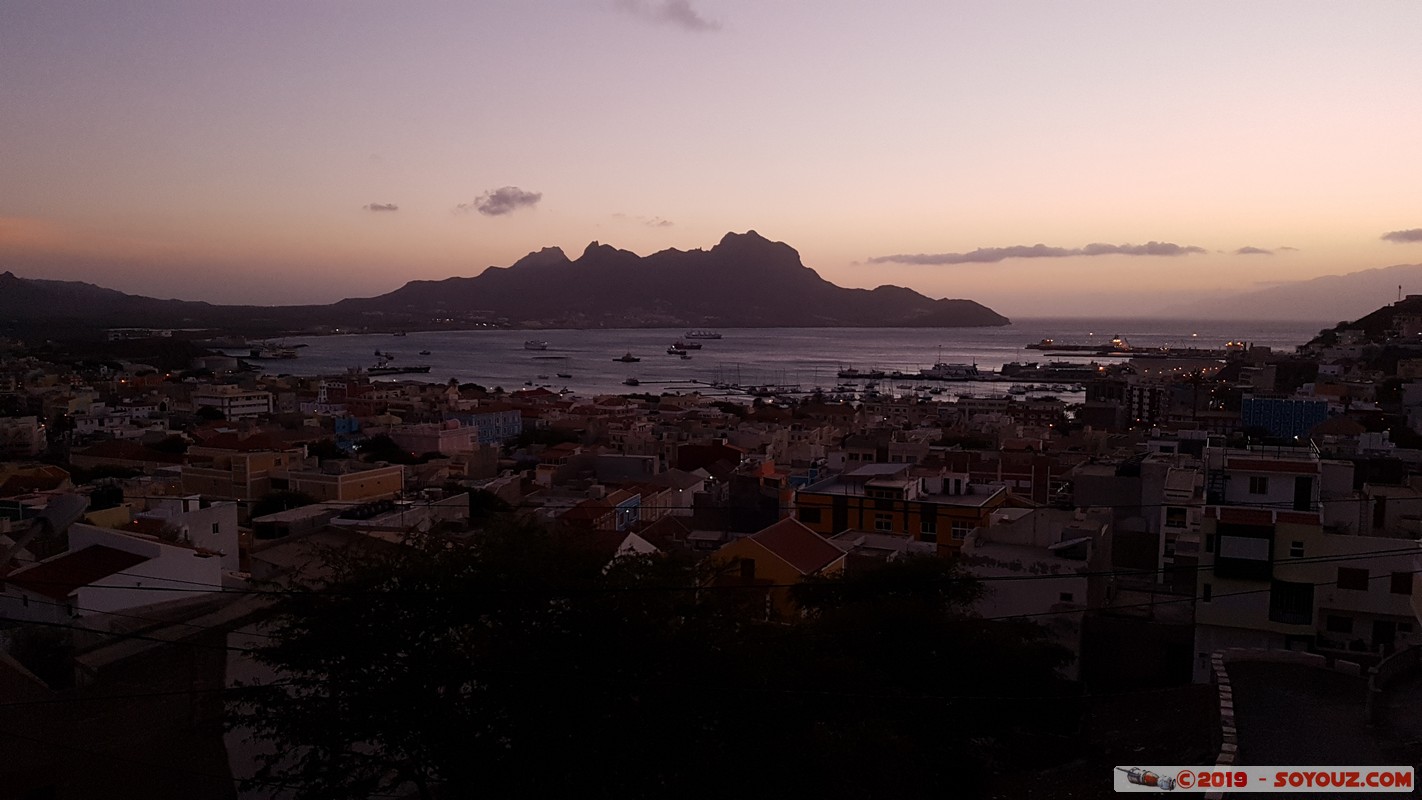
<point x="564" y="375"/>
<point x="399" y="333"/>
<point x="542" y="377"/>
<point x="627" y="358"/>
<point x="424" y="352"/>
<point x="700" y="334"/>
<point x="632" y="382"/>
<point x="535" y="344"/>
<point x="685" y="356"/>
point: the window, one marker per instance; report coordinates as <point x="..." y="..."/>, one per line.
<point x="1296" y="549"/>
<point x="215" y="527"/>
<point x="928" y="530"/>
<point x="1402" y="583"/>
<point x="1209" y="543"/>
<point x="810" y="516"/>
<point x="1065" y="597"/>
<point x="1174" y="517"/>
<point x="961" y="530"/>
<point x="1291" y="603"/>
<point x="1258" y="484"/>
<point x="883" y="522"/>
<point x="1353" y="578"/>
<point x="1404" y="627"/>
<point x="748" y="568"/>
<point x="1207" y="592"/>
<point x="1337" y="624"/>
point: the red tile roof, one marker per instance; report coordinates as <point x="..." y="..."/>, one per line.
<point x="62" y="576"/>
<point x="129" y="451"/>
<point x="246" y="444"/>
<point x="798" y="546"/>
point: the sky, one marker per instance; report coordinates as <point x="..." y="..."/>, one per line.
<point x="1043" y="158"/>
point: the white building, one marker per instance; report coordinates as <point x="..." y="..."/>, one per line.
<point x="233" y="401"/>
<point x="107" y="571"/>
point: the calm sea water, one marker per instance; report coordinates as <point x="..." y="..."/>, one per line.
<point x="807" y="357"/>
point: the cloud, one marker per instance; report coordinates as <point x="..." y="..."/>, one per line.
<point x="650" y="222"/>
<point x="992" y="255"/>
<point x="1409" y="235"/>
<point x="1253" y="251"/>
<point x="1283" y="248"/>
<point x="497" y="202"/>
<point x="381" y="207"/>
<point x="669" y="12"/>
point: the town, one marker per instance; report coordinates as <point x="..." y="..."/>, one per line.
<point x="1193" y="518"/>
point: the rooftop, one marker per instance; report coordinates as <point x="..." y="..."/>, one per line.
<point x="62" y="575"/>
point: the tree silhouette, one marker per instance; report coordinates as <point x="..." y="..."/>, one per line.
<point x="523" y="663"/>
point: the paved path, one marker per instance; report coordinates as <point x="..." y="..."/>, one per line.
<point x="1296" y="715"/>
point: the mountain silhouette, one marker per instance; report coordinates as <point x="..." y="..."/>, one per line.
<point x="746" y="280"/>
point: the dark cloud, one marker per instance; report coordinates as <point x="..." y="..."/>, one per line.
<point x="1286" y="248"/>
<point x="1253" y="251"/>
<point x="669" y="12"/>
<point x="498" y="202"/>
<point x="992" y="255"/>
<point x="381" y="207"/>
<point x="1409" y="235"/>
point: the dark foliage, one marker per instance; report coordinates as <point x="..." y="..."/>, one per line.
<point x="520" y="664"/>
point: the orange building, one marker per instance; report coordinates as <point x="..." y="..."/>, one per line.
<point x="929" y="506"/>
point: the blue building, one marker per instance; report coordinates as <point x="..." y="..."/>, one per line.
<point x="496" y="424"/>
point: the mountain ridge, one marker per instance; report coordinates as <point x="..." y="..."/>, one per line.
<point x="1327" y="298"/>
<point x="745" y="280"/>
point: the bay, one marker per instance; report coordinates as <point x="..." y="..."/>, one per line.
<point x="807" y="357"/>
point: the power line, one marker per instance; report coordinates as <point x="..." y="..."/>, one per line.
<point x="202" y="588"/>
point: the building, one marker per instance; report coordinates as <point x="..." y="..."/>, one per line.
<point x="233" y="401"/>
<point x="937" y="507"/>
<point x="236" y="468"/>
<point x="1286" y="566"/>
<point x="106" y="571"/>
<point x="342" y="481"/>
<point x="496" y="423"/>
<point x="774" y="559"/>
<point x="21" y="437"/>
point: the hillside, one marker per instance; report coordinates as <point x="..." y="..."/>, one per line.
<point x="1327" y="299"/>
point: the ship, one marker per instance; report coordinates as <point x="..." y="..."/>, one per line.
<point x="564" y="375"/>
<point x="535" y="344"/>
<point x="683" y="345"/>
<point x="951" y="372"/>
<point x="1117" y="345"/>
<point x="627" y="358"/>
<point x="632" y="382"/>
<point x="383" y="367"/>
<point x="386" y="369"/>
<point x="676" y="351"/>
<point x="271" y="351"/>
<point x="855" y="375"/>
<point x="700" y="334"/>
